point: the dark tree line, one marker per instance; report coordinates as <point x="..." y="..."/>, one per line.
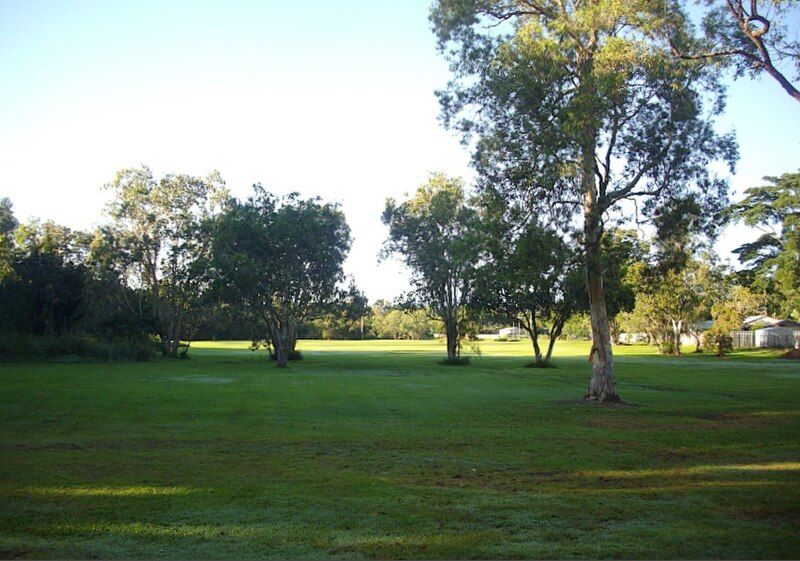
<point x="178" y="256"/>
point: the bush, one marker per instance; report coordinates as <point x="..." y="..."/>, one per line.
<point x="14" y="346"/>
<point x="540" y="364"/>
<point x="293" y="355"/>
<point x="74" y="348"/>
<point x="460" y="361"/>
<point x="718" y="342"/>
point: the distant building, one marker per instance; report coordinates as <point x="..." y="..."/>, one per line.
<point x="511" y="332"/>
<point x="762" y="321"/>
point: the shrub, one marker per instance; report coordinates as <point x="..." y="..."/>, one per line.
<point x="540" y="364"/>
<point x="293" y="355"/>
<point x="718" y="342"/>
<point x="74" y="348"/>
<point x="460" y="361"/>
<point x="14" y="346"/>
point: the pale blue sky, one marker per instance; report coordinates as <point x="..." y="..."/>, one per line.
<point x="327" y="98"/>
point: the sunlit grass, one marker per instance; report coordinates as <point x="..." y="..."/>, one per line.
<point x="135" y="491"/>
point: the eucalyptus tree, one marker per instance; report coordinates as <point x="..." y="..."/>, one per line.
<point x="580" y="106"/>
<point x="752" y="37"/>
<point x="435" y="233"/>
<point x="281" y="258"/>
<point x="162" y="221"/>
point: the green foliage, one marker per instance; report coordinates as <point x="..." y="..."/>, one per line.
<point x="577" y="109"/>
<point x="160" y="223"/>
<point x="718" y="341"/>
<point x="16" y="346"/>
<point x="279" y="260"/>
<point x="435" y="233"/>
<point x="672" y="302"/>
<point x="291" y="355"/>
<point x="751" y="38"/>
<point x="398" y="323"/>
<point x="772" y="259"/>
<point x="457" y="361"/>
<point x="740" y="302"/>
<point x="578" y="328"/>
<point x="528" y="275"/>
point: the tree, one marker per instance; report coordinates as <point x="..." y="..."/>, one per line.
<point x="44" y="292"/>
<point x="281" y="258"/>
<point x="396" y="323"/>
<point x="8" y="223"/>
<point x="161" y="220"/>
<point x="532" y="277"/>
<point x="435" y="233"/>
<point x="580" y="106"/>
<point x="773" y="259"/>
<point x="752" y="37"/>
<point x="345" y="320"/>
<point x="670" y="302"/>
<point x="729" y="314"/>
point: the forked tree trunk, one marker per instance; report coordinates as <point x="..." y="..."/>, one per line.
<point x="555" y="333"/>
<point x="677" y="328"/>
<point x="280" y="342"/>
<point x="281" y="345"/>
<point x="532" y="333"/>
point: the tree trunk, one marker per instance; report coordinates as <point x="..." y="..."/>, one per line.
<point x="602" y="386"/>
<point x="176" y="337"/>
<point x="280" y="343"/>
<point x="532" y="332"/>
<point x="555" y="333"/>
<point x="677" y="328"/>
<point x="278" y="336"/>
<point x="453" y="348"/>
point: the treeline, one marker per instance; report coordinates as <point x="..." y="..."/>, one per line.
<point x="178" y="257"/>
<point x="181" y="260"/>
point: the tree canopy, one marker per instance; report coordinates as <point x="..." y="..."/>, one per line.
<point x="581" y="107"/>
<point x="434" y="233"/>
<point x="281" y="259"/>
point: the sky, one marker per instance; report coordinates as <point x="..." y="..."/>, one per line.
<point x="326" y="98"/>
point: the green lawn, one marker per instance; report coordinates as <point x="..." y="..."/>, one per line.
<point x="373" y="450"/>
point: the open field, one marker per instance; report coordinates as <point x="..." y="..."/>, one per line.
<point x="371" y="449"/>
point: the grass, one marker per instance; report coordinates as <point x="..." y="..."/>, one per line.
<point x="374" y="450"/>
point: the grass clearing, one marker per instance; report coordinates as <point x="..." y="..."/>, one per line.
<point x="373" y="450"/>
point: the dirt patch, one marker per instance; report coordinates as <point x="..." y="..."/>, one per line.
<point x="737" y="420"/>
<point x="201" y="379"/>
<point x="632" y="423"/>
<point x="23" y="447"/>
<point x="771" y="513"/>
<point x="793" y="354"/>
<point x="608" y="404"/>
<point x="502" y="480"/>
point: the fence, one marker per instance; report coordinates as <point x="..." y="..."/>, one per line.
<point x="764" y="338"/>
<point x="743" y="339"/>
